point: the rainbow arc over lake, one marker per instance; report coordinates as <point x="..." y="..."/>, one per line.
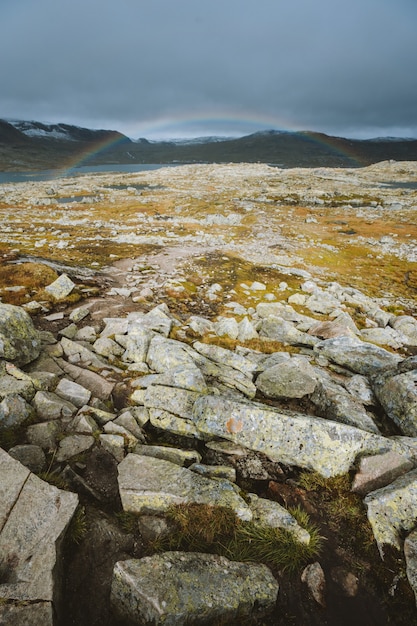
<point x="226" y="126"/>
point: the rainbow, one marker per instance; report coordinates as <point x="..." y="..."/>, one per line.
<point x="183" y="125"/>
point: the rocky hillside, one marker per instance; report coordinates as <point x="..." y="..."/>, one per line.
<point x="203" y="372"/>
<point x="35" y="146"/>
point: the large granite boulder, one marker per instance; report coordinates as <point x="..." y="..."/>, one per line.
<point x="325" y="446"/>
<point x="178" y="588"/>
<point x="19" y="340"/>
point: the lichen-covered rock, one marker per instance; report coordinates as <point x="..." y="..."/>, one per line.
<point x="73" y="392"/>
<point x="335" y="403"/>
<point x="49" y="406"/>
<point x="32" y="457"/>
<point x="398" y="395"/>
<point x="325" y="446"/>
<point x="33" y="518"/>
<point x="19" y="340"/>
<point x="279" y="329"/>
<point x="270" y="514"/>
<point x="149" y="485"/>
<point x="167" y="354"/>
<point x="177" y="401"/>
<point x="406" y="325"/>
<point x="61" y="287"/>
<point x="410" y="553"/>
<point x="358" y="356"/>
<point x="177" y="588"/>
<point x="392" y="510"/>
<point x="174" y="455"/>
<point x="225" y="357"/>
<point x="11" y="386"/>
<point x="293" y="378"/>
<point x="14" y="411"/>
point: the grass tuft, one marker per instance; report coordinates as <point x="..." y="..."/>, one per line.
<point x="204" y="528"/>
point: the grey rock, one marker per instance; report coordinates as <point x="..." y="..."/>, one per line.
<point x="87" y="333"/>
<point x="19" y="340"/>
<point x="167" y="354"/>
<point x="313" y="576"/>
<point x="14" y="411"/>
<point x="227" y="327"/>
<point x="384" y="337"/>
<point x="358" y="386"/>
<point x="398" y="396"/>
<point x="49" y="406"/>
<point x="222" y="356"/>
<point x="410" y="553"/>
<point x="214" y="471"/>
<point x="270" y="514"/>
<point x="172" y="423"/>
<point x="200" y="326"/>
<point x="327" y="447"/>
<point x="45" y="435"/>
<point x="150" y="485"/>
<point x="80" y="354"/>
<point x="11" y="386"/>
<point x="247" y="330"/>
<point x="406" y="325"/>
<point x="194" y="589"/>
<point x="73" y="392"/>
<point x="30" y="537"/>
<point x="322" y="302"/>
<point x="128" y="422"/>
<point x="285" y="332"/>
<point x="157" y="320"/>
<point x="335" y="403"/>
<point x="293" y="378"/>
<point x="61" y="287"/>
<point x="358" y="356"/>
<point x="137" y="344"/>
<point x="79" y="314"/>
<point x="98" y="385"/>
<point x="20" y="614"/>
<point x="30" y="456"/>
<point x="174" y="455"/>
<point x="177" y="401"/>
<point x="130" y="441"/>
<point x="379" y="470"/>
<point x="107" y="347"/>
<point x="73" y="445"/>
<point x="114" y="444"/>
<point x="392" y="510"/>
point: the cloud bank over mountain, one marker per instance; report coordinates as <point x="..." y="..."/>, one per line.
<point x="162" y="68"/>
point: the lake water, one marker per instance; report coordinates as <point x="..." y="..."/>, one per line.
<point x="21" y="177"/>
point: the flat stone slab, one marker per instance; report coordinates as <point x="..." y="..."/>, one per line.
<point x="327" y="447"/>
<point x="34" y="517"/>
<point x="149" y="485"/>
<point x="178" y="588"/>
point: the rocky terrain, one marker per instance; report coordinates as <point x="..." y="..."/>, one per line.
<point x="201" y="367"/>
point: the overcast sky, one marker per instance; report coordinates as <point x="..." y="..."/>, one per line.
<point x="176" y="68"/>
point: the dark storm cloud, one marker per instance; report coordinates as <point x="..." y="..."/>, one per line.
<point x="331" y="65"/>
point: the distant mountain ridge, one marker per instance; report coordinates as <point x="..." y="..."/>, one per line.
<point x="31" y="145"/>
